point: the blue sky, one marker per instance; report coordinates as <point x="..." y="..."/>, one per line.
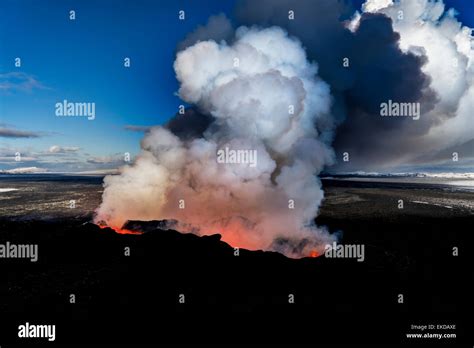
<point x="81" y="60"/>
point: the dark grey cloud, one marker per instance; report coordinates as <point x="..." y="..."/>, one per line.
<point x="378" y="71"/>
<point x="217" y="28"/>
<point x="464" y="151"/>
<point x="189" y="125"/>
<point x="7" y="132"/>
<point x="192" y="124"/>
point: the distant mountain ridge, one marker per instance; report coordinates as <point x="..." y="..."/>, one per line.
<point x="447" y="175"/>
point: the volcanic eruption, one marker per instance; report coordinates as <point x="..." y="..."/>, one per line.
<point x="263" y="96"/>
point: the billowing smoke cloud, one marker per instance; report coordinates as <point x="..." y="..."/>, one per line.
<point x="427" y="29"/>
<point x="264" y="99"/>
<point x="256" y="91"/>
<point x="410" y="51"/>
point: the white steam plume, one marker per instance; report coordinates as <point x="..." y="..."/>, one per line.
<point x="265" y="96"/>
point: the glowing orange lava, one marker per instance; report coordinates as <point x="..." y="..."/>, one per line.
<point x="313" y="253"/>
<point x="120" y="230"/>
<point x="237" y="237"/>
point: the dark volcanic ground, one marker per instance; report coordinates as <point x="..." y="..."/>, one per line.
<point x="243" y="298"/>
<point x="47" y="196"/>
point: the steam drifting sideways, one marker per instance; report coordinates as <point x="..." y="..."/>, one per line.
<point x="269" y="107"/>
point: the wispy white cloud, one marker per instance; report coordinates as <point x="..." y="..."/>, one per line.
<point x="134" y="128"/>
<point x="113" y="159"/>
<point x="19" y="81"/>
<point x="24" y="170"/>
<point x="56" y="149"/>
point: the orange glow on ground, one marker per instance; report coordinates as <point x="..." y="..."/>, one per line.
<point x="233" y="240"/>
<point x="120" y="230"/>
<point x="231" y="235"/>
<point x="236" y="237"/>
